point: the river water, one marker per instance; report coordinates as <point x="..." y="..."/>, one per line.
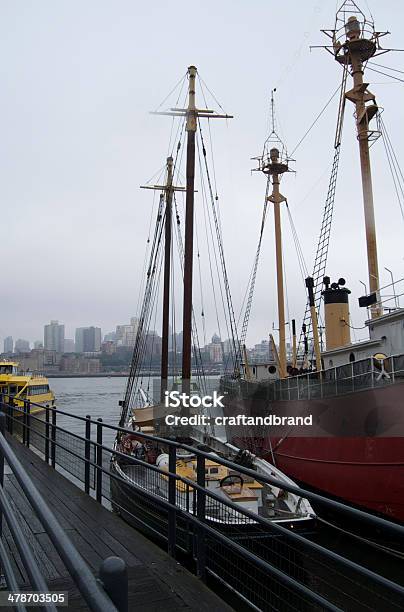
<point x="96" y="397"/>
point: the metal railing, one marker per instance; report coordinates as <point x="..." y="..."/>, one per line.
<point x="269" y="565"/>
<point x="109" y="592"/>
<point x="331" y="382"/>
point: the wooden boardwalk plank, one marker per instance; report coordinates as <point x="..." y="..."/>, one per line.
<point x="156" y="582"/>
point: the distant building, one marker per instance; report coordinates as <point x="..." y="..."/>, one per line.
<point x="125" y="335"/>
<point x="215" y="349"/>
<point x="110" y="337"/>
<point x="262" y="352"/>
<point x="54" y="337"/>
<point x="69" y="346"/>
<point x="40" y="360"/>
<point x="78" y="364"/>
<point x="8" y="345"/>
<point x="21" y="346"/>
<point x="38" y="344"/>
<point x="88" y="339"/>
<point x="108" y="347"/>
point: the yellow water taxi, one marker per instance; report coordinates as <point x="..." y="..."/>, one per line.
<point x="24" y="386"/>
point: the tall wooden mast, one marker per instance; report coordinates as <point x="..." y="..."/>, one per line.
<point x="167" y="274"/>
<point x="167" y="192"/>
<point x="191" y="126"/>
<point x="355" y="41"/>
<point x="191" y="113"/>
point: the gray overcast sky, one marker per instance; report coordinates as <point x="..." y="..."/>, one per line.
<point x="77" y="82"/>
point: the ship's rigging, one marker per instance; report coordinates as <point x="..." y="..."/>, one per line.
<point x="366" y="109"/>
<point x="173" y="251"/>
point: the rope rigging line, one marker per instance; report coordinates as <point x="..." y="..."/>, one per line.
<point x="316" y="119"/>
<point x="232" y="319"/>
<point x="208" y="225"/>
<point x="386" y="75"/>
<point x="139" y="354"/>
<point x="145" y="311"/>
<point x="299" y="250"/>
<point x="143" y="276"/>
<point x="254" y="270"/>
<point x="206" y="216"/>
<point x="195" y="337"/>
<point x="386" y="67"/>
<point x="198" y="256"/>
<point x="394" y="166"/>
<point x="320" y="260"/>
<point x="181" y="81"/>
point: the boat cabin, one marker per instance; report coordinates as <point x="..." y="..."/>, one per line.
<point x="8" y="367"/>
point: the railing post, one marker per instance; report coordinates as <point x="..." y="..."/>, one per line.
<point x="28" y="423"/>
<point x="53" y="438"/>
<point x="87" y="454"/>
<point x="10" y="414"/>
<point x="172" y="488"/>
<point x="24" y="422"/>
<point x="201" y="514"/>
<point x="47" y="431"/>
<point x="2" y="432"/>
<point x="114" y="578"/>
<point x="99" y="462"/>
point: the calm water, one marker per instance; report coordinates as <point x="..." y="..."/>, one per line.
<point x="97" y="397"/>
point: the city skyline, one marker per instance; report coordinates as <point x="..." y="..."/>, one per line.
<point x="86" y="228"/>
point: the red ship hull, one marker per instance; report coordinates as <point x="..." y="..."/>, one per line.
<point x="354" y="451"/>
<point x="368" y="472"/>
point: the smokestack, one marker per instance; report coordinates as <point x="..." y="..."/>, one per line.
<point x="336" y="308"/>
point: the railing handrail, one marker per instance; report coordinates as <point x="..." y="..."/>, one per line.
<point x="172" y="505"/>
<point x="305" y="375"/>
<point x="83" y="577"/>
<point x="372" y="520"/>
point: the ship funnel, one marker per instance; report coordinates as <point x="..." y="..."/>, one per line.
<point x="336" y="309"/>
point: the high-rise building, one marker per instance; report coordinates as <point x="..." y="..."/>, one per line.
<point x="69" y="345"/>
<point x="215" y="349"/>
<point x="54" y="337"/>
<point x="125" y="335"/>
<point x="21" y="346"/>
<point x="8" y="345"/>
<point x="88" y="339"/>
<point x="110" y="337"/>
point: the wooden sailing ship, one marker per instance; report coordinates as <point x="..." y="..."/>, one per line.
<point x="354" y="390"/>
<point x="143" y="413"/>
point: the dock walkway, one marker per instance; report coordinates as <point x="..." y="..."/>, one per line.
<point x="156" y="581"/>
